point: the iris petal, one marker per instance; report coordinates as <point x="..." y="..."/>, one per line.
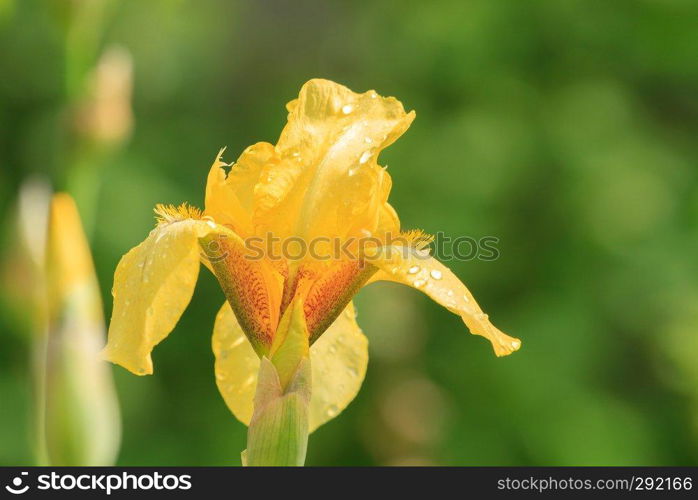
<point x="153" y="284"/>
<point x="331" y="185"/>
<point x="415" y="268"/>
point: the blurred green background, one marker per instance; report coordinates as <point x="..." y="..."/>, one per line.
<point x="567" y="129"/>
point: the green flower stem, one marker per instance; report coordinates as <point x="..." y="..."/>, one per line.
<point x="278" y="432"/>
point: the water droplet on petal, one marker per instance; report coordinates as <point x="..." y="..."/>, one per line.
<point x="418" y="283"/>
<point x="353" y="371"/>
<point x="413" y="270"/>
<point x="332" y="349"/>
<point x="347" y="108"/>
<point x="365" y="157"/>
<point x="436" y="274"/>
<point x="238" y="341"/>
<point x="373" y="95"/>
<point x="368" y="140"/>
<point x="332" y="411"/>
<point x="450" y="293"/>
<point x="466" y="298"/>
<point x="248" y="381"/>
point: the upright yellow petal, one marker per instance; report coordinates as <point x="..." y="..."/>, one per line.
<point x="230" y="198"/>
<point x="331" y="144"/>
<point x="153" y="284"/>
<point x="415" y="268"/>
<point x="338" y="362"/>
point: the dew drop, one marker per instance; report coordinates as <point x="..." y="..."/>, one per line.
<point x="347" y="108"/>
<point x="238" y="341"/>
<point x="365" y="157"/>
<point x="353" y="371"/>
<point x="466" y="298"/>
<point x="373" y="95"/>
<point x="436" y="274"/>
<point x="248" y="381"/>
<point x="368" y="140"/>
<point x="332" y="349"/>
<point x="394" y="270"/>
<point x="332" y="411"/>
<point x="413" y="270"/>
<point x="418" y="283"/>
<point x="450" y="293"/>
<point x="220" y="376"/>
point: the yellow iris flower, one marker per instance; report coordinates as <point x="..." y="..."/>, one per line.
<point x="321" y="182"/>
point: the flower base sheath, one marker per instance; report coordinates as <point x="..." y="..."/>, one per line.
<point x="319" y="185"/>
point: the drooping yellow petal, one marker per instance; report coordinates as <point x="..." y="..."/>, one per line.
<point x="414" y="267"/>
<point x="330" y="145"/>
<point x="338" y="361"/>
<point x="153" y="284"/>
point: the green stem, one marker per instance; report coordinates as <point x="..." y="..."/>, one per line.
<point x="278" y="432"/>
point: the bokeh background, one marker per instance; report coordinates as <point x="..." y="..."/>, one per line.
<point x="567" y="129"/>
